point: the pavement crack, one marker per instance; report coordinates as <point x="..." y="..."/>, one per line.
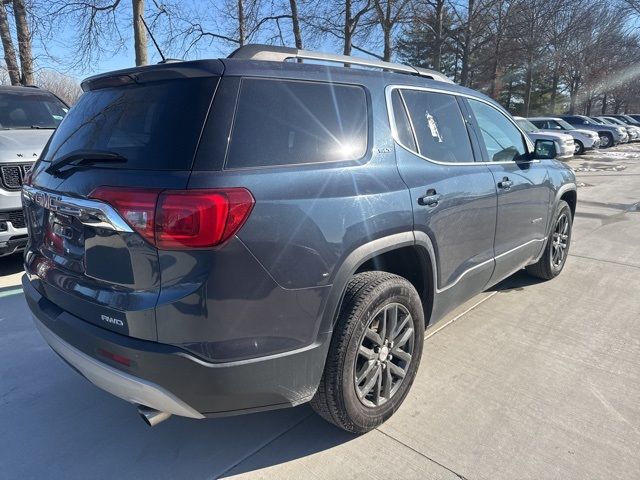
<point x="461" y="477"/>
<point x="613" y="262"/>
<point x="262" y="446"/>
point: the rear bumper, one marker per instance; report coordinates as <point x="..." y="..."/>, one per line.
<point x="170" y="379"/>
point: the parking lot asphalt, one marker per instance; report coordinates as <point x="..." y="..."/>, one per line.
<point x="528" y="380"/>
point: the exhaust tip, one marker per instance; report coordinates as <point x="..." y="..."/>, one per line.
<point x="151" y="416"/>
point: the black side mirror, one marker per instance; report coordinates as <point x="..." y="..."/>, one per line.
<point x="545" y="150"/>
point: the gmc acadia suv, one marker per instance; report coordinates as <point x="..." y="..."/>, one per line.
<point x="28" y="116"/>
<point x="225" y="236"/>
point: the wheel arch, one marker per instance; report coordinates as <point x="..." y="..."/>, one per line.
<point x="394" y="254"/>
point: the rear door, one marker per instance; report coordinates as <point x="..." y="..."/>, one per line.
<point x="523" y="186"/>
<point x="453" y="196"/>
<point x="83" y="256"/>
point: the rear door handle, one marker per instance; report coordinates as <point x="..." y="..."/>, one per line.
<point x="505" y="183"/>
<point x="431" y="198"/>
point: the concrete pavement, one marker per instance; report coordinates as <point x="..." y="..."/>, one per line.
<point x="532" y="380"/>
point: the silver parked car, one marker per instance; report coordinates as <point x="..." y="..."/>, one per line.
<point x="565" y="145"/>
<point x="28" y="117"/>
<point x="610" y="135"/>
<point x="583" y="139"/>
<point x="634" y="132"/>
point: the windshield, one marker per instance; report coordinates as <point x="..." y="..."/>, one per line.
<point x="26" y="109"/>
<point x="155" y="126"/>
<point x="526" y="125"/>
<point x="597" y="120"/>
<point x="565" y="125"/>
<point x="615" y="121"/>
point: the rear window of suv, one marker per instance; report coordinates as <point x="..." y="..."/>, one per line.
<point x="155" y="126"/>
<point x="288" y="122"/>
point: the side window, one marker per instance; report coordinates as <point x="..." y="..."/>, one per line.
<point x="287" y="122"/>
<point x="503" y="140"/>
<point x="440" y="130"/>
<point x="402" y="124"/>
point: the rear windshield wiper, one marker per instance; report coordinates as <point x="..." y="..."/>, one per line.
<point x="78" y="157"/>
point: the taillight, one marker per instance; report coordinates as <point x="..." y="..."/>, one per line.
<point x="136" y="206"/>
<point x="177" y="219"/>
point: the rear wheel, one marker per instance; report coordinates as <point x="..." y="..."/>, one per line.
<point x="557" y="248"/>
<point x="374" y="353"/>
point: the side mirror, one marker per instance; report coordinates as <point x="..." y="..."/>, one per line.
<point x="545" y="150"/>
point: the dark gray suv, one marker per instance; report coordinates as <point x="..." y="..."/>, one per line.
<point x="227" y="236"/>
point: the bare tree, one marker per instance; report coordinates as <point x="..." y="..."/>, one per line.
<point x="24" y="42"/>
<point x="65" y="87"/>
<point x="97" y="24"/>
<point x="295" y="23"/>
<point x="8" y="48"/>
<point x="390" y="14"/>
<point x="139" y="32"/>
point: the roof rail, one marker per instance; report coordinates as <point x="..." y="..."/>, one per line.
<point x="274" y="53"/>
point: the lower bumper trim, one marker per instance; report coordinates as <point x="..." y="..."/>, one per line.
<point x="127" y="387"/>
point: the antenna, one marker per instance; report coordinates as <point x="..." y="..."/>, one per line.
<point x="153" y="39"/>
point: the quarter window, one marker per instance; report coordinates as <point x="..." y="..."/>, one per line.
<point x="440" y="130"/>
<point x="502" y="139"/>
<point x="286" y="122"/>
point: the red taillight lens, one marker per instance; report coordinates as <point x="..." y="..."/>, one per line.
<point x="136" y="206"/>
<point x="177" y="219"/>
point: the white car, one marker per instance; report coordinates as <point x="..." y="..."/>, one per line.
<point x="583" y="139"/>
<point x="565" y="146"/>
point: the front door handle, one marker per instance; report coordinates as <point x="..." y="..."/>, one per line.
<point x="430" y="199"/>
<point x="505" y="183"/>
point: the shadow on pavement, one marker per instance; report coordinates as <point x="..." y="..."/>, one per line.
<point x="55" y="424"/>
<point x="11" y="264"/>
<point x="517" y="281"/>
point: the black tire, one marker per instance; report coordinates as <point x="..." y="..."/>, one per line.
<point x="606" y="140"/>
<point x="578" y="147"/>
<point x="368" y="296"/>
<point x="549" y="266"/>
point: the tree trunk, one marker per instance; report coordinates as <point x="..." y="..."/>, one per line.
<point x="437" y="60"/>
<point x="347" y="28"/>
<point x="466" y="50"/>
<point x="295" y="20"/>
<point x="554" y="89"/>
<point x="24" y="42"/>
<point x="387" y="44"/>
<point x="9" y="49"/>
<point x="604" y="104"/>
<point x="241" y="23"/>
<point x="139" y="33"/>
<point x="528" y="87"/>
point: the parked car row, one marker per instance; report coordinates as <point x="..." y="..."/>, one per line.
<point x="581" y="132"/>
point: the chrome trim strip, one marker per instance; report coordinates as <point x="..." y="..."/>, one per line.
<point x="118" y="383"/>
<point x="508" y="252"/>
<point x="394" y="132"/>
<point x="92" y="213"/>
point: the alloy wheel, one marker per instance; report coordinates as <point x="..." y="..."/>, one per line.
<point x="604" y="141"/>
<point x="384" y="355"/>
<point x="560" y="241"/>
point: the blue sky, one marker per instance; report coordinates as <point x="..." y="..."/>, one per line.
<point x="59" y="51"/>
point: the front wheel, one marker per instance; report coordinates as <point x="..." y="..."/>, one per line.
<point x="578" y="147"/>
<point x="374" y="354"/>
<point x="557" y="248"/>
<point x="606" y="140"/>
